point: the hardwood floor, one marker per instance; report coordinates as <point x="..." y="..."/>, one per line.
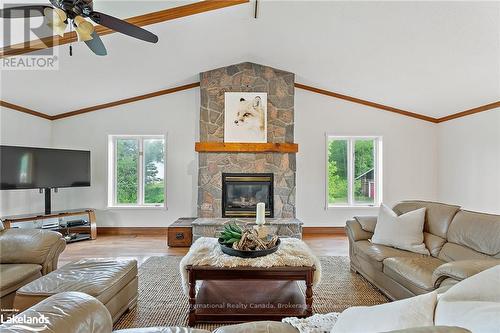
<point x="141" y="247"/>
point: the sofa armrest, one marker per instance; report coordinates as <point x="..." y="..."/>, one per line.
<point x="73" y="312"/>
<point x="433" y="329"/>
<point x="31" y="246"/>
<point x="355" y="232"/>
<point x="368" y="223"/>
<point x="460" y="270"/>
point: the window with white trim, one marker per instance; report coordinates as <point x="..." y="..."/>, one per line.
<point x="136" y="171"/>
<point x="353" y="171"/>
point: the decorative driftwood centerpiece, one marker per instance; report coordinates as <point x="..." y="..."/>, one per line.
<point x="248" y="243"/>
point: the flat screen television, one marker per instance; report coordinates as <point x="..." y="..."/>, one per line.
<point x="29" y="168"/>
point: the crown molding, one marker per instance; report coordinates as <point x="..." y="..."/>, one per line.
<point x="125" y="101"/>
<point x="141" y="21"/>
<point x="366" y="103"/>
<point x="478" y="109"/>
<point x="25" y="110"/>
<point x="351" y="99"/>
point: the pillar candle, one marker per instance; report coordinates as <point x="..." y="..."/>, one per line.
<point x="261" y="213"/>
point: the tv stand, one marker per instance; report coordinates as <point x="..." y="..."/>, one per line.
<point x="48" y="199"/>
<point x="8" y="220"/>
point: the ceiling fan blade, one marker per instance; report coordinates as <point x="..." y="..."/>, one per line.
<point x="22" y="11"/>
<point x="96" y="45"/>
<point x="123" y="27"/>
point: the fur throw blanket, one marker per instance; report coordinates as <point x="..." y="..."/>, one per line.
<point x="206" y="251"/>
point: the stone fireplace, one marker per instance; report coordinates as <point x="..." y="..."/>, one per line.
<point x="242" y="191"/>
<point x="246" y="77"/>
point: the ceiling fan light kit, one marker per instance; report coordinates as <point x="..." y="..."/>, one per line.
<point x="83" y="29"/>
<point x="77" y="11"/>
<point x="56" y="19"/>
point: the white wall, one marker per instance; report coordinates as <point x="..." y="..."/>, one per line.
<point x="175" y="115"/>
<point x="469" y="161"/>
<point x="455" y="162"/>
<point x="409" y="154"/>
<point x="19" y="129"/>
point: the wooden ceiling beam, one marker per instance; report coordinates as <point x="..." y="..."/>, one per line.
<point x="141" y="21"/>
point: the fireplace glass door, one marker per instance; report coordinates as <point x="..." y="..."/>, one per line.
<point x="242" y="192"/>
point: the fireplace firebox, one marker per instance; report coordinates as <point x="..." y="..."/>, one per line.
<point x="242" y="191"/>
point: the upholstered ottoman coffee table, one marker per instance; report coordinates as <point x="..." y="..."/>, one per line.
<point x="113" y="282"/>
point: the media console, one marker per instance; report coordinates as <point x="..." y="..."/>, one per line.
<point x="84" y="230"/>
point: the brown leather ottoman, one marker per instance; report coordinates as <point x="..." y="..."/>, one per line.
<point x="113" y="282"/>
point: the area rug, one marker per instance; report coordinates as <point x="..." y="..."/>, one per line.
<point x="162" y="303"/>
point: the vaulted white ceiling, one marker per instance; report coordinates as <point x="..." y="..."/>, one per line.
<point x="433" y="58"/>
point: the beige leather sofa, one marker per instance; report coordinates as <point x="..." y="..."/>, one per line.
<point x="25" y="255"/>
<point x="77" y="312"/>
<point x="461" y="243"/>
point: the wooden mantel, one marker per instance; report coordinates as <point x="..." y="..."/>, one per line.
<point x="226" y="147"/>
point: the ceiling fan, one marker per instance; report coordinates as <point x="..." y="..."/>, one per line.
<point x="75" y="13"/>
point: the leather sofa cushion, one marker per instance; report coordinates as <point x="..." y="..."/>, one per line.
<point x="100" y="278"/>
<point x="433" y="243"/>
<point x="477" y="231"/>
<point x="14" y="276"/>
<point x="454" y="252"/>
<point x="412" y="272"/>
<point x="438" y="216"/>
<point x="375" y="253"/>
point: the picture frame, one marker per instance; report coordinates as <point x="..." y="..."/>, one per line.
<point x="245" y="117"/>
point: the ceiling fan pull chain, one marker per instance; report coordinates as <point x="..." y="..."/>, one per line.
<point x="71" y="44"/>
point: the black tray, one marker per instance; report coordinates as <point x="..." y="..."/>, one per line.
<point x="247" y="254"/>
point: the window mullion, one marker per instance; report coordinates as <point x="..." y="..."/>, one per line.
<point x="350" y="172"/>
<point x="140" y="170"/>
<point x="115" y="170"/>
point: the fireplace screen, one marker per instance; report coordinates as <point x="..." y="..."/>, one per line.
<point x="242" y="191"/>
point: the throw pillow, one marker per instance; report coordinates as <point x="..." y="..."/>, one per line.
<point x="411" y="312"/>
<point x="473" y="303"/>
<point x="405" y="232"/>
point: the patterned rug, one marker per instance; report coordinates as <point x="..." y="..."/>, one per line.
<point x="162" y="303"/>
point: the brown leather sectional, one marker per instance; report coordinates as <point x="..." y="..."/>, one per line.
<point x="462" y="243"/>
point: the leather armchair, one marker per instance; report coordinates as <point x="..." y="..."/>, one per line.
<point x="25" y="255"/>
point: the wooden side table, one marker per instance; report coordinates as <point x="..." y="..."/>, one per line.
<point x="180" y="233"/>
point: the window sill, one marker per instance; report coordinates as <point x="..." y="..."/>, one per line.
<point x="352" y="207"/>
<point x="137" y="207"/>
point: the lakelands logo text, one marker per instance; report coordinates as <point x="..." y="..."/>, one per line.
<point x="24" y="42"/>
<point x="30" y="324"/>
